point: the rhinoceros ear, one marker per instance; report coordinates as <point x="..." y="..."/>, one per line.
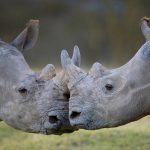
<point x="76" y="57"/>
<point x="98" y="70"/>
<point x="145" y="28"/>
<point x="47" y="73"/>
<point x="28" y="37"/>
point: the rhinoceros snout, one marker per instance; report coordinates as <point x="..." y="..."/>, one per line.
<point x="75" y="115"/>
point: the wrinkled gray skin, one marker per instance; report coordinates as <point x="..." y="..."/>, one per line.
<point x="106" y="98"/>
<point x="32" y="102"/>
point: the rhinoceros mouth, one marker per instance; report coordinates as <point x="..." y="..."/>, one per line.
<point x="53" y="130"/>
<point x="58" y="130"/>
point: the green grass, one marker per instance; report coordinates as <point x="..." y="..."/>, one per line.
<point x="134" y="136"/>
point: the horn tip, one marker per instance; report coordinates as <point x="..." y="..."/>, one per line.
<point x="76" y="47"/>
<point x="64" y="53"/>
<point x="65" y="59"/>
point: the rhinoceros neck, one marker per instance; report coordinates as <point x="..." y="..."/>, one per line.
<point x="137" y="74"/>
<point x="143" y="96"/>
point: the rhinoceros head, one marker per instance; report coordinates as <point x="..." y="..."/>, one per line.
<point x="30" y="101"/>
<point x="108" y="98"/>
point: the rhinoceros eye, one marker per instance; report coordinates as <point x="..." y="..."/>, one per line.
<point x="109" y="87"/>
<point x="23" y="91"/>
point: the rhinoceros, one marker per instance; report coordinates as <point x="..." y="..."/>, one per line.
<point x="35" y="102"/>
<point x="104" y="98"/>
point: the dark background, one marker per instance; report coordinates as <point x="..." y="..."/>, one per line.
<point x="105" y="30"/>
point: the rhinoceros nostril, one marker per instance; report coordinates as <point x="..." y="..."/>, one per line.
<point x="75" y="114"/>
<point x="53" y="119"/>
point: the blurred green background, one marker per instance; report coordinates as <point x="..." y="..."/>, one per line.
<point x="106" y="31"/>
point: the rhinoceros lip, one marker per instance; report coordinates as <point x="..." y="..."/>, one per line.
<point x="81" y="126"/>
